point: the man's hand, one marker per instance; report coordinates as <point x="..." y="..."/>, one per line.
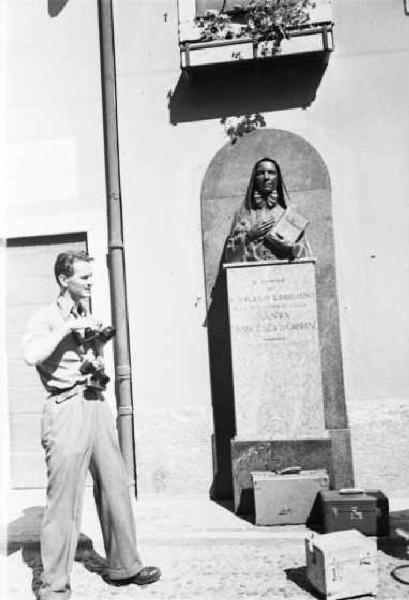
<point x="37" y="348"/>
<point x="259" y="230"/>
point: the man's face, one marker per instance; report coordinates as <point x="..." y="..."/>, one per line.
<point x="79" y="284"/>
<point x="266" y="177"/>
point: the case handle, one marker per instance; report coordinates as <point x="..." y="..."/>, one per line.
<point x="351" y="491"/>
<point x="296" y="470"/>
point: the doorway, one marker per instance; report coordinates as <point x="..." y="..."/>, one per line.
<point x="30" y="284"/>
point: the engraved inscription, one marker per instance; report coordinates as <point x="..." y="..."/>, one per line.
<point x="275" y="350"/>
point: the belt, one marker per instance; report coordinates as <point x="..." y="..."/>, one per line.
<point x="60" y="395"/>
<point x="58" y="391"/>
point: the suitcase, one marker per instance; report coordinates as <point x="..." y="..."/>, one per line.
<point x="367" y="511"/>
<point x="341" y="564"/>
<point x="283" y="499"/>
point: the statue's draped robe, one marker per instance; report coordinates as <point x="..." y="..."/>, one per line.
<point x="258" y="209"/>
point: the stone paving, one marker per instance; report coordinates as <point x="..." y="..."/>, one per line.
<point x="204" y="550"/>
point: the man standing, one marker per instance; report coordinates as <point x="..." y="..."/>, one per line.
<point x="78" y="434"/>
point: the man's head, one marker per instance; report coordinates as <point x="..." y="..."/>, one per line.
<point x="73" y="272"/>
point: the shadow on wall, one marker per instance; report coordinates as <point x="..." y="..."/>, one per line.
<point x="55" y="7"/>
<point x="235" y="89"/>
<point x="24" y="534"/>
<point x="221" y="382"/>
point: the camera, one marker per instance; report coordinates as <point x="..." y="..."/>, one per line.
<point x="98" y="376"/>
<point x="93" y="364"/>
<point x="94" y="335"/>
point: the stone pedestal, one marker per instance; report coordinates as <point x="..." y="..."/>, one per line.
<point x="276" y="365"/>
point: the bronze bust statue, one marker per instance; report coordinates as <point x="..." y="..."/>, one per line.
<point x="266" y="227"/>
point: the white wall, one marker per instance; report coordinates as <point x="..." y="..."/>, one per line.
<point x="55" y="161"/>
<point x="54" y="132"/>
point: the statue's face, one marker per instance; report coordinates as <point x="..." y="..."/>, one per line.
<point x="266" y="177"/>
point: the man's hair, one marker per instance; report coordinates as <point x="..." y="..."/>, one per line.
<point x="64" y="264"/>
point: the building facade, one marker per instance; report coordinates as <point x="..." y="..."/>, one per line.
<point x="356" y="117"/>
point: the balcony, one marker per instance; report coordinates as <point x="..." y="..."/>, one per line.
<point x="209" y="37"/>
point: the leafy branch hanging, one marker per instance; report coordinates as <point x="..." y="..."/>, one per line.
<point x="236" y="127"/>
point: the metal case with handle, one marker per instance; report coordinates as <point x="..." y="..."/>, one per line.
<point x="364" y="510"/>
<point x="287" y="497"/>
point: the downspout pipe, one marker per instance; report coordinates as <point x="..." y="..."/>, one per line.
<point x="116" y="250"/>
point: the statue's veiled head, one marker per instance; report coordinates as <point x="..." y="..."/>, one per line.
<point x="265" y="181"/>
<point x="265" y="177"/>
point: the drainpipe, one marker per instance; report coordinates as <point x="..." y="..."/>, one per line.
<point x="116" y="250"/>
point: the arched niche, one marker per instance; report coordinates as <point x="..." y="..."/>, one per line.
<point x="307" y="179"/>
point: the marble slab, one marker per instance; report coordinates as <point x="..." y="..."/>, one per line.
<point x="275" y="350"/>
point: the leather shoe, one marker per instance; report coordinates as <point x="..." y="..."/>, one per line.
<point x="143" y="577"/>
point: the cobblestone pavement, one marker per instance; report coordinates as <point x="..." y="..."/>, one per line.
<point x="204" y="550"/>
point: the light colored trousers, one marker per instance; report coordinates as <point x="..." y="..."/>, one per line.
<point x="78" y="433"/>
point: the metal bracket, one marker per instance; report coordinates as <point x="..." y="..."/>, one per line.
<point x="115" y="244"/>
<point x="123" y="372"/>
<point x="125" y="411"/>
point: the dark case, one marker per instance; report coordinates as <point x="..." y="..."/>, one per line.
<point x="367" y="511"/>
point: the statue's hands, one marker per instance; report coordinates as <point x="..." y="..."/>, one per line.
<point x="284" y="247"/>
<point x="259" y="230"/>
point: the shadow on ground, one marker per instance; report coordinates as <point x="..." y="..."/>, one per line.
<point x="313" y="521"/>
<point x="229" y="506"/>
<point x="298" y="576"/>
<point x="396" y="544"/>
<point x="24" y="534"/>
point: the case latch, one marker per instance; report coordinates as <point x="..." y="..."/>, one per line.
<point x="356" y="515"/>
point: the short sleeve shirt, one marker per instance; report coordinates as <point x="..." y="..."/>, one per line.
<point x="61" y="370"/>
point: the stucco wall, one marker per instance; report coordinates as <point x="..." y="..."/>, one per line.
<point x="53" y="130"/>
<point x="358" y="123"/>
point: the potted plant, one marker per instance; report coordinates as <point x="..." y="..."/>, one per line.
<point x="262" y="22"/>
<point x="272" y="21"/>
<point x="256" y="29"/>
